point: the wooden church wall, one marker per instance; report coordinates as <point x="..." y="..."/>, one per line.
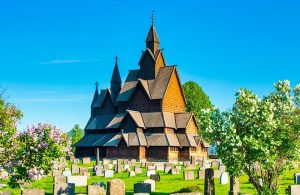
<point x="157" y="152"/>
<point x="147" y="67"/>
<point x="159" y="63"/>
<point x="192" y="127"/>
<point x="141" y="102"/>
<point x="173" y="100"/>
<point x="122" y="151"/>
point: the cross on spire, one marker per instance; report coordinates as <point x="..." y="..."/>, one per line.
<point x="96" y="83"/>
<point x="152" y="17"/>
<point x="116" y="58"/>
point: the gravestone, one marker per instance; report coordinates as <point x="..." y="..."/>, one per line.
<point x="209" y="185"/>
<point x="169" y="165"/>
<point x="119" y="168"/>
<point x="214" y="164"/>
<point x="105" y="161"/>
<point x="76" y="160"/>
<point x="106" y="167"/>
<point x="186" y="163"/>
<point x="132" y="163"/>
<point x="217" y="173"/>
<point x="98" y="167"/>
<point x="33" y="192"/>
<point x="83" y="170"/>
<point x="222" y="168"/>
<point x="224" y="178"/>
<point x="56" y="173"/>
<point x="151" y="168"/>
<point x="110" y="166"/>
<point x="143" y="164"/>
<point x="6" y="192"/>
<point x="86" y="160"/>
<point x="201" y="174"/>
<point x="60" y="179"/>
<point x="188" y="175"/>
<point x="178" y="167"/>
<point x="64" y="188"/>
<point x="152" y="183"/>
<point x="126" y="166"/>
<point x="131" y="174"/>
<point x="125" y="161"/>
<point x="155" y="177"/>
<point x="87" y="174"/>
<point x="108" y="173"/>
<point x="297" y="178"/>
<point x="159" y="167"/>
<point x="294" y="190"/>
<point x="168" y="169"/>
<point x="137" y="170"/>
<point x="99" y="172"/>
<point x="67" y="173"/>
<point x="201" y="163"/>
<point x="95" y="190"/>
<point x="191" y="167"/>
<point x="120" y="161"/>
<point x="115" y="187"/>
<point x="142" y="188"/>
<point x="75" y="169"/>
<point x="234" y="186"/>
<point x="114" y="162"/>
<point x="175" y="171"/>
<point x="151" y="172"/>
<point x="77" y="180"/>
<point x="72" y="158"/>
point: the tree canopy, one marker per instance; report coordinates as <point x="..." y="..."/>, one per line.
<point x="259" y="137"/>
<point x="196" y="101"/>
<point x="76" y="133"/>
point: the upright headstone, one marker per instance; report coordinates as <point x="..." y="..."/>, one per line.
<point x="83" y="170"/>
<point x="188" y="175"/>
<point x="159" y="167"/>
<point x="294" y="190"/>
<point x="6" y="192"/>
<point x="151" y="172"/>
<point x="142" y="188"/>
<point x="234" y="186"/>
<point x="175" y="171"/>
<point x="95" y="190"/>
<point x="115" y="187"/>
<point x="137" y="170"/>
<point x="209" y="184"/>
<point x="77" y="180"/>
<point x="224" y="178"/>
<point x="108" y="173"/>
<point x="152" y="183"/>
<point x="155" y="177"/>
<point x="33" y="192"/>
<point x="201" y="174"/>
<point x="64" y="188"/>
<point x="214" y="163"/>
<point x="75" y="169"/>
<point x="97" y="157"/>
<point x="86" y="160"/>
<point x="60" y="179"/>
<point x="131" y="174"/>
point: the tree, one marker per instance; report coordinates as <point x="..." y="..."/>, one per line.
<point x="38" y="147"/>
<point x="196" y="101"/>
<point x="76" y="134"/>
<point x="258" y="137"/>
<point x="9" y="118"/>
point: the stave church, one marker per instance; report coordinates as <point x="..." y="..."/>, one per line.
<point x="144" y="118"/>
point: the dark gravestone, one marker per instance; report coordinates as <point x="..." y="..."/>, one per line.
<point x="64" y="188"/>
<point x="142" y="188"/>
<point x="234" y="186"/>
<point x="155" y="177"/>
<point x="209" y="184"/>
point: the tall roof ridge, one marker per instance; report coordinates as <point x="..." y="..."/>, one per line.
<point x="116" y="78"/>
<point x="152" y="34"/>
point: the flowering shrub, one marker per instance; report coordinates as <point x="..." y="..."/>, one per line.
<point x="38" y="147"/>
<point x="259" y="137"/>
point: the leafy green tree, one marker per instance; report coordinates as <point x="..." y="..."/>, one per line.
<point x="76" y="134"/>
<point x="258" y="137"/>
<point x="9" y="118"/>
<point x="196" y="101"/>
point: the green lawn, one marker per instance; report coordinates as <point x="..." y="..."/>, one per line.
<point x="168" y="184"/>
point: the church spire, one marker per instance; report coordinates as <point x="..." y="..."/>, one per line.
<point x="96" y="94"/>
<point x="115" y="82"/>
<point x="152" y="41"/>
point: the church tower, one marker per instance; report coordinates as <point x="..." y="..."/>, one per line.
<point x="152" y="58"/>
<point x="115" y="82"/>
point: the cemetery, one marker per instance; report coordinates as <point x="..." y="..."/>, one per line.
<point x="68" y="179"/>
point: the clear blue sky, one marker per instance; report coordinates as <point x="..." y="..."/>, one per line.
<point x="52" y="52"/>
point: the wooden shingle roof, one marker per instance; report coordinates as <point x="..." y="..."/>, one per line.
<point x="156" y="139"/>
<point x="99" y="121"/>
<point x="129" y="86"/>
<point x="182" y="119"/>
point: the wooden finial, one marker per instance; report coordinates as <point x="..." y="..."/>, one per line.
<point x="116" y="58"/>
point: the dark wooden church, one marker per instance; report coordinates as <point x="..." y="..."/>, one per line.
<point x="145" y="118"/>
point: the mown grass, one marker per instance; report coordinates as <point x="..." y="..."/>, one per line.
<point x="168" y="184"/>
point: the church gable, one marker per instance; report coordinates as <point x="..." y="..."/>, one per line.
<point x="173" y="100"/>
<point x="192" y="127"/>
<point x="147" y="65"/>
<point x="128" y="124"/>
<point x="107" y="105"/>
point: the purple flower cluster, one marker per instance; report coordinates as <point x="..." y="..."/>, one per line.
<point x="35" y="174"/>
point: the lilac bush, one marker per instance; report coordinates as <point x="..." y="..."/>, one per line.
<point x="38" y="147"/>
